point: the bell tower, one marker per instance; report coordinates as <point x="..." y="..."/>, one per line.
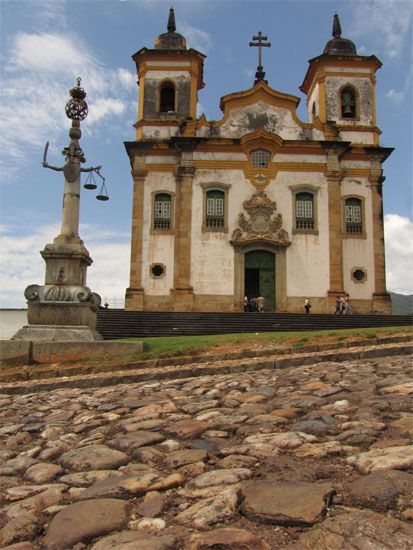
<point x="340" y="89"/>
<point x="169" y="77"/>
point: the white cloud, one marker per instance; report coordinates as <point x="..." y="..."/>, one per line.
<point x="22" y="265"/>
<point x="195" y="38"/>
<point x="41" y="67"/>
<point x="105" y="107"/>
<point x="388" y="20"/>
<point x="398" y="231"/>
<point x="49" y="52"/>
<point x="127" y="79"/>
<point x="399" y="97"/>
<point x="396" y="97"/>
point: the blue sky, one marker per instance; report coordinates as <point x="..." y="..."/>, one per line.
<point x="46" y="44"/>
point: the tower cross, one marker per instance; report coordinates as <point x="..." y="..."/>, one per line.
<point x="259" y="41"/>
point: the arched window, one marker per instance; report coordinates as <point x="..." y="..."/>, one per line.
<point x="353" y="216"/>
<point x="260" y="158"/>
<point x="348" y="102"/>
<point x="167" y="97"/>
<point x="162" y="211"/>
<point x="304" y="210"/>
<point x="215" y="208"/>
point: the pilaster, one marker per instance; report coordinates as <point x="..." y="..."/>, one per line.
<point x="134" y="298"/>
<point x="334" y="177"/>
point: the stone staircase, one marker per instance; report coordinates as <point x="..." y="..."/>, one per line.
<point x="118" y="323"/>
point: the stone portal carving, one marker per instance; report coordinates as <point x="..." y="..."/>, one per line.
<point x="261" y="225"/>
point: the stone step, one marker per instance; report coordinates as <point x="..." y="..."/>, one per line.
<point x="116" y="323"/>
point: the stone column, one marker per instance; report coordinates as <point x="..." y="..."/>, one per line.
<point x="381" y="299"/>
<point x="134" y="299"/>
<point x="335" y="221"/>
<point x="182" y="292"/>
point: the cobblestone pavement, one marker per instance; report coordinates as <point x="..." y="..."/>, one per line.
<point x="310" y="456"/>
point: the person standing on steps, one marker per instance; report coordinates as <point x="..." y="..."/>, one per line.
<point x="307" y="305"/>
<point x="347" y="306"/>
<point x="338" y="306"/>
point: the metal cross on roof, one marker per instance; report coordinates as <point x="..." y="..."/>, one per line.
<point x="259" y="41"/>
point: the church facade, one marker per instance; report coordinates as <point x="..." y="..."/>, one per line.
<point x="258" y="203"/>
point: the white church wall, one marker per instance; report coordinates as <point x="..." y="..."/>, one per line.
<point x="359" y="252"/>
<point x="314" y="98"/>
<point x="159" y="132"/>
<point x="308" y="254"/>
<point x="212" y="256"/>
<point x="157" y="248"/>
<point x="366" y="138"/>
<point x="242" y="121"/>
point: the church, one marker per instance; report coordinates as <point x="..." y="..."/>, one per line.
<point x="258" y="203"/>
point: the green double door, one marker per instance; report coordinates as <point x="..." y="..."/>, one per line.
<point x="260" y="277"/>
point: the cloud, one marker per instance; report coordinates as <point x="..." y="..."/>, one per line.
<point x="398" y="231"/>
<point x="399" y="97"/>
<point x="388" y="20"/>
<point x="127" y="79"/>
<point x="41" y="67"/>
<point x="49" y="52"/>
<point x="197" y="39"/>
<point x="22" y="265"/>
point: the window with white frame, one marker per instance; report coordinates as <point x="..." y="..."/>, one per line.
<point x="162" y="211"/>
<point x="215" y="209"/>
<point x="353" y="216"/>
<point x="304" y="211"/>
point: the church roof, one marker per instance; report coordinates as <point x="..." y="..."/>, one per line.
<point x="170" y="40"/>
<point x="338" y="45"/>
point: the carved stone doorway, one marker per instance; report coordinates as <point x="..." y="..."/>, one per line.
<point x="260" y="277"/>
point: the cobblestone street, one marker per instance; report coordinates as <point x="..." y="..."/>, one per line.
<point x="310" y="456"/>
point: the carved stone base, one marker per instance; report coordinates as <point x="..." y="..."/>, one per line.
<point x="382" y="303"/>
<point x="62" y="314"/>
<point x="134" y="299"/>
<point x="182" y="299"/>
<point x="56" y="333"/>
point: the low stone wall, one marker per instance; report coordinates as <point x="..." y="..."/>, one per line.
<point x="20" y="352"/>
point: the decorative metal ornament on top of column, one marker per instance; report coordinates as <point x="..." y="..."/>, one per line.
<point x="64" y="308"/>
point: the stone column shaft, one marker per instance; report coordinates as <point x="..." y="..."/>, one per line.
<point x="182" y="263"/>
<point x="378" y="231"/>
<point x="335" y="234"/>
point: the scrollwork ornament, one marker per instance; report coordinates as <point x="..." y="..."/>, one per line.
<point x="84" y="295"/>
<point x="32" y="293"/>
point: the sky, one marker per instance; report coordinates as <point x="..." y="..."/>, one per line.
<point x="46" y="44"/>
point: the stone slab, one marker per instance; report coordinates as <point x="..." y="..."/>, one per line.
<point x="14" y="352"/>
<point x="57" y="333"/>
<point x="24" y="352"/>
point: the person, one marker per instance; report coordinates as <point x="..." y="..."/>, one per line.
<point x="307" y="305"/>
<point x="338" y="306"/>
<point x="260" y="304"/>
<point x="347" y="306"/>
<point x="245" y="303"/>
<point x="342" y="306"/>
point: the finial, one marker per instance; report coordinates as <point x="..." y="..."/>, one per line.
<point x="171" y="21"/>
<point x="76" y="107"/>
<point x="336" y="27"/>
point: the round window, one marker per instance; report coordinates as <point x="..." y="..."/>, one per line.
<point x="157" y="270"/>
<point x="359" y="274"/>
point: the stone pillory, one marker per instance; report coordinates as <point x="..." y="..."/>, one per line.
<point x="64" y="308"/>
<point x="258" y="203"/>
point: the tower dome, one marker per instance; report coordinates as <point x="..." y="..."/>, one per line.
<point x="338" y="45"/>
<point x="170" y="40"/>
